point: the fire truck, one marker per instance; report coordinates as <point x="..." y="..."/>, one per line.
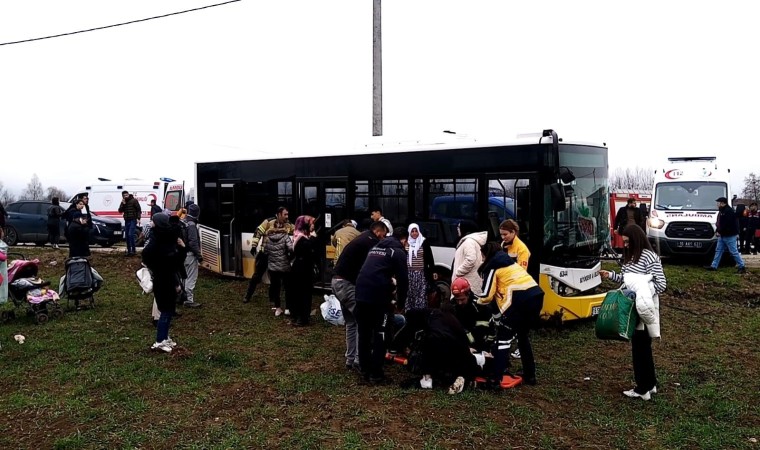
<point x="618" y="199"/>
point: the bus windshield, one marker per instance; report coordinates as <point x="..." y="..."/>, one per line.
<point x="689" y="195"/>
<point x="582" y="228"/>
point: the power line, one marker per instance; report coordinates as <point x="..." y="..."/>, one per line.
<point x="119" y="24"/>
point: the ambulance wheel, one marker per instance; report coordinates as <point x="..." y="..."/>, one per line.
<point x="41" y="318"/>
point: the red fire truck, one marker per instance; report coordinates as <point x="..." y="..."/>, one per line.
<point x="619" y="198"/>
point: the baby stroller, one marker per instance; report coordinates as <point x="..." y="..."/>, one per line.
<point x="27" y="290"/>
<point x="80" y="282"/>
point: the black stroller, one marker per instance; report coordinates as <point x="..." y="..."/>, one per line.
<point x="80" y="282"/>
<point x="27" y="290"/>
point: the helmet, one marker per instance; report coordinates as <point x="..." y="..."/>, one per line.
<point x="460" y="286"/>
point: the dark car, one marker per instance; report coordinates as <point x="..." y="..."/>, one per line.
<point x="27" y="222"/>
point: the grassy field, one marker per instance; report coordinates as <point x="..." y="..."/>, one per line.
<point x="241" y="378"/>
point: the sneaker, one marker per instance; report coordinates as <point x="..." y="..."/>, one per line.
<point x="170" y="342"/>
<point x="457" y="387"/>
<point x="653" y="391"/>
<point x="287" y="312"/>
<point x="193" y="304"/>
<point x="711" y="268"/>
<point x="278" y="312"/>
<point x="516" y="354"/>
<point x="161" y="346"/>
<point x="742" y="270"/>
<point x="246" y="299"/>
<point x="426" y="382"/>
<point x="633" y="394"/>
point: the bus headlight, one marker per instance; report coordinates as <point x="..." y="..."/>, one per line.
<point x="656" y="223"/>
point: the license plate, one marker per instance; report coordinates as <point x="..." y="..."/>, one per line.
<point x="595" y="310"/>
<point x="118" y="233"/>
<point x="689" y="244"/>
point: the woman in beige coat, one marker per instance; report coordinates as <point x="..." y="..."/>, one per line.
<point x="468" y="256"/>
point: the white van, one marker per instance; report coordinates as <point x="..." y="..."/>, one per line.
<point x="684" y="210"/>
<point x="105" y="196"/>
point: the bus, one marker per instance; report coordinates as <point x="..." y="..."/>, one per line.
<point x="557" y="192"/>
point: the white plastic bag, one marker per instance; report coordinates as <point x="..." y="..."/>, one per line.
<point x="145" y="279"/>
<point x="331" y="311"/>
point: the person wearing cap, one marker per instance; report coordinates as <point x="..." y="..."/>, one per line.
<point x="343" y="236"/>
<point x="727" y="230"/>
<point x="474" y="318"/>
<point x="194" y="256"/>
<point x="164" y="256"/>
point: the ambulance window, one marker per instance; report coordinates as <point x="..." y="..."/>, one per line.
<point x="172" y="200"/>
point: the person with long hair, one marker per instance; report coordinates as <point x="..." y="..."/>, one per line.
<point x="303" y="272"/>
<point x="54" y="214"/>
<point x="516" y="301"/>
<point x="642" y="272"/>
<point x="420" y="263"/>
<point x="164" y="255"/>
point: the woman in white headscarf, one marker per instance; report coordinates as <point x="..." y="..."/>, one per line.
<point x="420" y="264"/>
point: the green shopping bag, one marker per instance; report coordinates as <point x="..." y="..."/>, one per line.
<point x="617" y="317"/>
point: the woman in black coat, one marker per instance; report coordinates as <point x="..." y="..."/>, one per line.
<point x="164" y="256"/>
<point x="303" y="272"/>
<point x="78" y="235"/>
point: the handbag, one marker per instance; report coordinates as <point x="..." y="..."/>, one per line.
<point x="617" y="316"/>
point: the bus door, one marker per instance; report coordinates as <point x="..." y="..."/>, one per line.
<point x="325" y="200"/>
<point x="510" y="196"/>
<point x="230" y="204"/>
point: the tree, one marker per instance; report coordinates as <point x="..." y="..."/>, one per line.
<point x="751" y="188"/>
<point x="53" y="191"/>
<point x="632" y="178"/>
<point x="34" y="190"/>
<point x="6" y="196"/>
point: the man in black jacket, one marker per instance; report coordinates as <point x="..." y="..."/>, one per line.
<point x="344" y="283"/>
<point x="627" y="215"/>
<point x="374" y="296"/>
<point x="727" y="231"/>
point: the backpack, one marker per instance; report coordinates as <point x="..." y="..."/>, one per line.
<point x="183" y="232"/>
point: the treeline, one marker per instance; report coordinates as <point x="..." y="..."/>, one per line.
<point x="34" y="191"/>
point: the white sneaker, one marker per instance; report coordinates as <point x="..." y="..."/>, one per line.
<point x="426" y="382"/>
<point x="278" y="312"/>
<point x="170" y="342"/>
<point x="516" y="354"/>
<point x="161" y="346"/>
<point x="287" y="312"/>
<point x="457" y="387"/>
<point x="633" y="394"/>
<point x="653" y="390"/>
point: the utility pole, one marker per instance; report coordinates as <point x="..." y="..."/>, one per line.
<point x="377" y="71"/>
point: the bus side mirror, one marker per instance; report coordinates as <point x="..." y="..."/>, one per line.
<point x="557" y="197"/>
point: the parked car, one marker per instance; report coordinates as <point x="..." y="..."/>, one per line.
<point x="27" y="222"/>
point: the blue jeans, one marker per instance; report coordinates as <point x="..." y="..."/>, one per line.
<point x="162" y="329"/>
<point x="728" y="242"/>
<point x="130" y="226"/>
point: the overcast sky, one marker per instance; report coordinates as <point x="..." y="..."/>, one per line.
<point x="651" y="79"/>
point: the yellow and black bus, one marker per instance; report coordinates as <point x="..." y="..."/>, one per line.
<point x="555" y="190"/>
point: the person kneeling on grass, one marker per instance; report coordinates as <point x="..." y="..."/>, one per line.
<point x="441" y="349"/>
<point x="164" y="256"/>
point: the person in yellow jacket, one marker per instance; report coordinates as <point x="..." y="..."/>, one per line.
<point x="511" y="243"/>
<point x="278" y="223"/>
<point x="516" y="301"/>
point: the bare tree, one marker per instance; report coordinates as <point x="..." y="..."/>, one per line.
<point x="34" y="190"/>
<point x="53" y="191"/>
<point x="632" y="178"/>
<point x="751" y="188"/>
<point x="6" y="196"/>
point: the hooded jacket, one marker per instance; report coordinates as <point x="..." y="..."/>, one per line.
<point x="468" y="258"/>
<point x="279" y="247"/>
<point x="502" y="278"/>
<point x="386" y="260"/>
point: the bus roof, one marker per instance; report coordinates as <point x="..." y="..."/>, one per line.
<point x="387" y="145"/>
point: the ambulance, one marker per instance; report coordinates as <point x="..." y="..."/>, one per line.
<point x="105" y="196"/>
<point x="684" y="207"/>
